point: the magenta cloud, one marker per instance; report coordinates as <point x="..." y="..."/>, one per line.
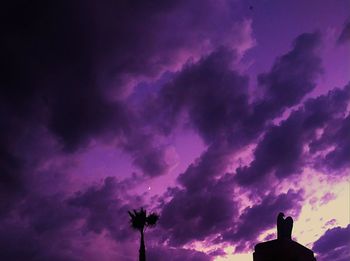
<point x="134" y="76"/>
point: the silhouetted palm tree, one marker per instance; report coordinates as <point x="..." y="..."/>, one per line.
<point x="139" y="221"/>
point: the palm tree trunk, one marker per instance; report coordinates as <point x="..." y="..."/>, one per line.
<point x="142" y="251"/>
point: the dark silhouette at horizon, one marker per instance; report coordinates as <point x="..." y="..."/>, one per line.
<point x="284" y="227"/>
<point x="283" y="248"/>
<point x="139" y="221"/>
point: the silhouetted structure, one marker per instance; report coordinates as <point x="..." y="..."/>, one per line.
<point x="139" y="220"/>
<point x="283" y="248"/>
<point x="284" y="227"/>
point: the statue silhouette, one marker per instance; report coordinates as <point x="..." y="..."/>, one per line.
<point x="283" y="248"/>
<point x="284" y="227"/>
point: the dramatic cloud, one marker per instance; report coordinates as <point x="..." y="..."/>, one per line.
<point x="207" y="207"/>
<point x="75" y="71"/>
<point x="338" y="158"/>
<point x="130" y="78"/>
<point x="38" y="234"/>
<point x="17" y="243"/>
<point x="47" y="220"/>
<point x="274" y="154"/>
<point x="334" y="244"/>
<point x="204" y="206"/>
<point x="211" y="92"/>
<point x="216" y="97"/>
<point x="102" y="210"/>
<point x="195" y="215"/>
<point x="279" y="151"/>
<point x="260" y="217"/>
<point x="65" y="74"/>
<point x="10" y="179"/>
<point x="152" y="159"/>
<point x="345" y="34"/>
<point x="292" y="76"/>
<point x="335" y="139"/>
<point x="282" y="149"/>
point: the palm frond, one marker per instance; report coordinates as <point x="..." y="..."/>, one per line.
<point x="138" y="219"/>
<point x="131" y="214"/>
<point x="152" y="219"/>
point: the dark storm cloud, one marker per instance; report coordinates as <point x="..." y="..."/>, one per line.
<point x="292" y="76"/>
<point x="51" y="227"/>
<point x="103" y="210"/>
<point x="20" y="243"/>
<point x="345" y="34"/>
<point x="260" y="217"/>
<point x="215" y="96"/>
<point x="38" y="234"/>
<point x="216" y="100"/>
<point x="47" y="214"/>
<point x="335" y="137"/>
<point x="66" y="69"/>
<point x="195" y="215"/>
<point x="281" y="150"/>
<point x="11" y="184"/>
<point x="69" y="65"/>
<point x="151" y="157"/>
<point x="12" y="165"/>
<point x="204" y="206"/>
<point x="338" y="157"/>
<point x="47" y="71"/>
<point x="334" y="244"/>
<point x="47" y="230"/>
<point x="211" y="92"/>
<point x="211" y="164"/>
<point x="54" y="56"/>
<point x="209" y="212"/>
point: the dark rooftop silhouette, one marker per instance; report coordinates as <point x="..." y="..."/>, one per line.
<point x="283" y="248"/>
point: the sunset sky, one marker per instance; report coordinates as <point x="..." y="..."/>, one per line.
<point x="216" y="114"/>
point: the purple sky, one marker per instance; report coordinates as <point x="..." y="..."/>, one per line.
<point x="218" y="115"/>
